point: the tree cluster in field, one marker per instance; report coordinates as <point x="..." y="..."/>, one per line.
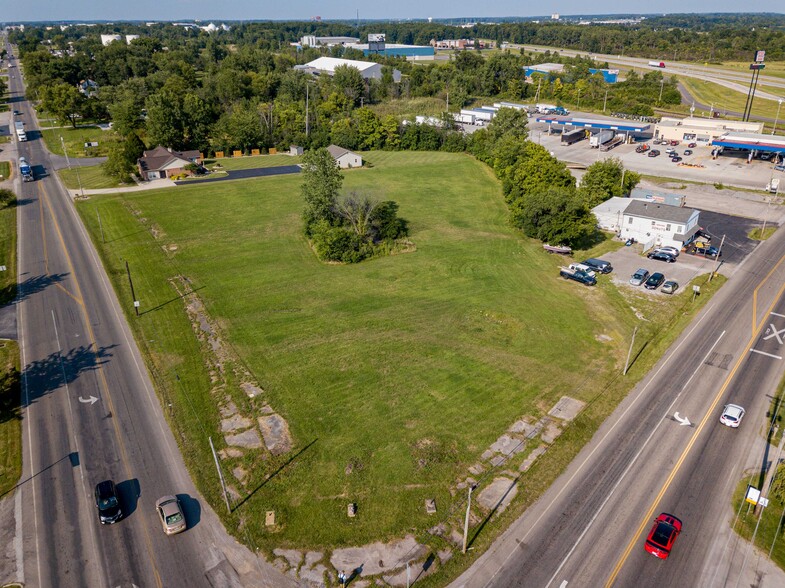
<point x="237" y="90"/>
<point x="346" y="229"/>
<point x="540" y="191"/>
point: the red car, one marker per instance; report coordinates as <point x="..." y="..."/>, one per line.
<point x="662" y="535"/>
<point x="674" y="143"/>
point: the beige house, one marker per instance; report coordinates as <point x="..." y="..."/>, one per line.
<point x="701" y="130"/>
<point x="162" y="162"/>
<point x="344" y="157"/>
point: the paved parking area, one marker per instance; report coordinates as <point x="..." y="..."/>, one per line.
<point x="627" y="260"/>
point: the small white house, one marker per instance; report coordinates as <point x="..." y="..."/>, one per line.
<point x="609" y="213"/>
<point x="658" y="225"/>
<point x="345" y="158"/>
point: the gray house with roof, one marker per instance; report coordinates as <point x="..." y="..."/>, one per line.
<point x="657" y="225"/>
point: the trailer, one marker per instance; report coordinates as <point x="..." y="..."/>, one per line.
<point x="657" y="63"/>
<point x="568" y="138"/>
<point x="599" y="139"/>
<point x="544" y="108"/>
<point x="614" y="142"/>
<point x="20" y="130"/>
<point x="464" y="118"/>
<point x="25" y="170"/>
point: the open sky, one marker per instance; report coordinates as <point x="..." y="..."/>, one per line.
<point x="37" y="10"/>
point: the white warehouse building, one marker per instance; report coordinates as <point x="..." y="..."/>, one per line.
<point x="368" y="69"/>
<point x="658" y="225"/>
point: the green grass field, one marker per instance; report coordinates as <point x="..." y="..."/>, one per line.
<point x="10" y="416"/>
<point x="406" y="368"/>
<point x="75" y="140"/>
<point x="725" y="99"/>
<point x="91" y="177"/>
<point x="5" y="169"/>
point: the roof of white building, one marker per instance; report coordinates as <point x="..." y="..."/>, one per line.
<point x="661" y="212"/>
<point x="329" y="64"/>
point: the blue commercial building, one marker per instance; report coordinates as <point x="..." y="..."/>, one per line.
<point x="588" y="123"/>
<point x="400" y="50"/>
<point x="611" y="75"/>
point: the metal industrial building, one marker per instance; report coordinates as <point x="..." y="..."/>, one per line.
<point x="326" y="65"/>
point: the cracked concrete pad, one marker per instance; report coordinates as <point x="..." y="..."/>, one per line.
<point x="315" y="574"/>
<point x="228" y="409"/>
<point x="229" y="452"/>
<point x="252" y="390"/>
<point x="276" y="434"/>
<point x="567" y="408"/>
<point x="416" y="570"/>
<point x="312" y="557"/>
<point x="532" y="457"/>
<point x="551" y="431"/>
<point x="497" y="460"/>
<point x="249" y="439"/>
<point x="377" y="558"/>
<point x="235" y="423"/>
<point x="476" y="469"/>
<point x="240" y="473"/>
<point x="521" y="426"/>
<point x="498" y="494"/>
<point x="506" y="445"/>
<point x="292" y="556"/>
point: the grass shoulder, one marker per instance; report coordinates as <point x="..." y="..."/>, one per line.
<point x="90" y="177"/>
<point x="75" y="140"/>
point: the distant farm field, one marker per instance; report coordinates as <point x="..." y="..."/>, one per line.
<point x="393" y="375"/>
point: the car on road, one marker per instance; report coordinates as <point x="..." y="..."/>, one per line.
<point x="687" y="152"/>
<point x="654" y="153"/>
<point x="675" y="158"/>
<point x="668" y="249"/>
<point x="732" y="415"/>
<point x="661" y="256"/>
<point x="662" y="535"/>
<point x="654" y="281"/>
<point x="108" y="504"/>
<point x="639" y="277"/>
<point x="171" y="514"/>
<point x="670" y="287"/>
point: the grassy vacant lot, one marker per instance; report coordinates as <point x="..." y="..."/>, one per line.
<point x="394" y="375"/>
<point x="5" y="169"/>
<point x="91" y="177"/>
<point x="76" y="138"/>
<point x="10" y="417"/>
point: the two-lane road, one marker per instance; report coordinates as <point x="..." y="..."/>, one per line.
<point x="91" y="414"/>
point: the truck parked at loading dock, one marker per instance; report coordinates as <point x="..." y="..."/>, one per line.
<point x="570" y="137"/>
<point x="20" y="130"/>
<point x="26" y="170"/>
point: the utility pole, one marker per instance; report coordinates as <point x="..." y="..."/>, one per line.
<point x="629" y="352"/>
<point x="662" y="84"/>
<point x="220" y="475"/>
<point x="306" y="108"/>
<point x="466" y="521"/>
<point x="604" y="102"/>
<point x="719" y="252"/>
<point x="133" y="295"/>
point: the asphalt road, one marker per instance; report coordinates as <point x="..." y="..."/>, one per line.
<point x="590" y="528"/>
<point x="90" y="413"/>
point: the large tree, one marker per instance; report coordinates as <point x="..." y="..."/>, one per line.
<point x="321" y="182"/>
<point x="64" y="101"/>
<point x="605" y="179"/>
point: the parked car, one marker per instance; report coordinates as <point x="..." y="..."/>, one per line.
<point x="654" y="281"/>
<point x="766" y="155"/>
<point x="639" y="277"/>
<point x="687" y="152"/>
<point x="675" y="158"/>
<point x="108" y="504"/>
<point x="171" y="514"/>
<point x="668" y="249"/>
<point x="670" y="287"/>
<point x="692" y="145"/>
<point x="654" y="153"/>
<point x="674" y="143"/>
<point x="643" y="148"/>
<point x="710" y="251"/>
<point x="732" y="415"/>
<point x="661" y="256"/>
<point x="662" y="535"/>
<point x="670" y="150"/>
<point x="598" y="265"/>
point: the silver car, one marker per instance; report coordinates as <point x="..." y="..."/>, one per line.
<point x="668" y="249"/>
<point x="639" y="277"/>
<point x="171" y="514"/>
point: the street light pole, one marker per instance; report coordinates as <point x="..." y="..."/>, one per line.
<point x="777" y="118"/>
<point x="662" y="84"/>
<point x="604" y="102"/>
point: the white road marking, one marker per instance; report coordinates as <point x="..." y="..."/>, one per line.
<point x="683" y="421"/>
<point x="634" y="459"/>
<point x="774" y="333"/>
<point x="777" y="314"/>
<point x="766" y="354"/>
<point x="563" y="584"/>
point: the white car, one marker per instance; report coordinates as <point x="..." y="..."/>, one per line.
<point x="732" y="415"/>
<point x="669" y="250"/>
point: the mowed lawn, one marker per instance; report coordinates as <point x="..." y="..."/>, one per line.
<point x="406" y="367"/>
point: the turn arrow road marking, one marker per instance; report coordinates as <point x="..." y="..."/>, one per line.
<point x="683" y="421"/>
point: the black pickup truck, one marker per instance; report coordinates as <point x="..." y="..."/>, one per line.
<point x="578" y="276"/>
